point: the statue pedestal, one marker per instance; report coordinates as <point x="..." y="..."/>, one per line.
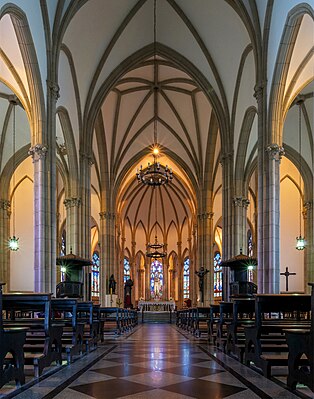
<point x="111" y="301"/>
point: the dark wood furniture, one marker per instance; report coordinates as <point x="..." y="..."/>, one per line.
<point x="64" y="312"/>
<point x="301" y="343"/>
<point x="212" y="323"/>
<point x="11" y="342"/>
<point x="265" y="343"/>
<point x="43" y="339"/>
<point x="89" y="315"/>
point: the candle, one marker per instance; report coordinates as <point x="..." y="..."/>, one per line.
<point x="110" y="290"/>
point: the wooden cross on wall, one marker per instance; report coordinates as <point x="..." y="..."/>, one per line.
<point x="287" y="274"/>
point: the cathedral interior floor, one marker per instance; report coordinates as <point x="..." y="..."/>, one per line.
<point x="155" y="361"/>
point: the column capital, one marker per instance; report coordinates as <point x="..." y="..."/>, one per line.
<point x="205" y="215"/>
<point x="259" y="90"/>
<point x="307" y="208"/>
<point x="275" y="152"/>
<point x="72" y="202"/>
<point x="107" y="215"/>
<point x="54" y="89"/>
<point x="87" y="157"/>
<point x="225" y="157"/>
<point x="241" y="202"/>
<point x="37" y="152"/>
<point x="5" y="205"/>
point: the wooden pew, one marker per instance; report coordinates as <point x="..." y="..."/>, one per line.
<point x="11" y="341"/>
<point x="242" y="315"/>
<point x="64" y="312"/>
<point x="300" y="343"/>
<point x="265" y="343"/>
<point x="87" y="314"/>
<point x="225" y="318"/>
<point x="43" y="339"/>
<point x="212" y="323"/>
<point x="200" y="317"/>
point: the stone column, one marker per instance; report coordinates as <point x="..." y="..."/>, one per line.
<point x="226" y="161"/>
<point x="107" y="227"/>
<point x="271" y="266"/>
<point x="41" y="267"/>
<point x="51" y="186"/>
<point x="309" y="249"/>
<point x="240" y="224"/>
<point x="165" y="266"/>
<point x="147" y="278"/>
<point x="5" y="213"/>
<point x="72" y="206"/>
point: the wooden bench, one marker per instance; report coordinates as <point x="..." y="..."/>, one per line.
<point x="225" y="318"/>
<point x="88" y="314"/>
<point x="64" y="312"/>
<point x="43" y="339"/>
<point x="265" y="343"/>
<point x="212" y="323"/>
<point x="200" y="317"/>
<point x="242" y="315"/>
<point x="301" y="343"/>
<point x="11" y="342"/>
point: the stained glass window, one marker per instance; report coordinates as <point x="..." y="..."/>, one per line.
<point x="249" y="243"/>
<point x="62" y="253"/>
<point x="217" y="275"/>
<point x="127" y="270"/>
<point x="156" y="279"/>
<point x="95" y="274"/>
<point x="250" y="253"/>
<point x="186" y="278"/>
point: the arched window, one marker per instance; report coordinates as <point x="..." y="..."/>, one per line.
<point x="217" y="275"/>
<point x="95" y="274"/>
<point x="250" y="276"/>
<point x="156" y="279"/>
<point x="127" y="270"/>
<point x="249" y="243"/>
<point x="186" y="278"/>
<point x="62" y="253"/>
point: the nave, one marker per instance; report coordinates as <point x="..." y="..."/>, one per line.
<point x="155" y="361"/>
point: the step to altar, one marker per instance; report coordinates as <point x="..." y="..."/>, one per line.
<point x="158" y="317"/>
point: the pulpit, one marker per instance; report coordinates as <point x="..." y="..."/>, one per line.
<point x="240" y="286"/>
<point x="72" y="286"/>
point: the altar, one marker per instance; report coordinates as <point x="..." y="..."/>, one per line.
<point x="157" y="306"/>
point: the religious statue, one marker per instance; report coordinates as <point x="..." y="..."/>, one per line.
<point x="112" y="285"/>
<point x="201" y="274"/>
<point x="127" y="293"/>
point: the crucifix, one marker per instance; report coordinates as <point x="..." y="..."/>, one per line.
<point x="201" y="274"/>
<point x="287" y="274"/>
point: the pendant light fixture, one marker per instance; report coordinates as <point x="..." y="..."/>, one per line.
<point x="155" y="250"/>
<point x="155" y="174"/>
<point x="300" y="245"/>
<point x="13" y="241"/>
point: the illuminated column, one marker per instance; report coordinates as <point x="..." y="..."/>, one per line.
<point x="42" y="276"/>
<point x="107" y="227"/>
<point x="72" y="206"/>
<point x="240" y="224"/>
<point x="271" y="266"/>
<point x="5" y="212"/>
<point x="309" y="250"/>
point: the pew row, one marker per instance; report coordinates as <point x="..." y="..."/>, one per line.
<point x="43" y="338"/>
<point x="265" y="343"/>
<point x="11" y="342"/>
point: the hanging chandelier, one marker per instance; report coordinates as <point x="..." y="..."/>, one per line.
<point x="155" y="250"/>
<point x="13" y="241"/>
<point x="155" y="174"/>
<point x="300" y="244"/>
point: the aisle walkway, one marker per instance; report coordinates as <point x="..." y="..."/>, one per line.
<point x="156" y="361"/>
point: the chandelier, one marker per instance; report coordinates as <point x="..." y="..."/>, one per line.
<point x="300" y="245"/>
<point x="155" y="174"/>
<point x="13" y="241"/>
<point x="155" y="250"/>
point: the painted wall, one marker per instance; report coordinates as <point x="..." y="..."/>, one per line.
<point x="22" y="261"/>
<point x="290" y="229"/>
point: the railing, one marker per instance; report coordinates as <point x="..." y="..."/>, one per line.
<point x="242" y="289"/>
